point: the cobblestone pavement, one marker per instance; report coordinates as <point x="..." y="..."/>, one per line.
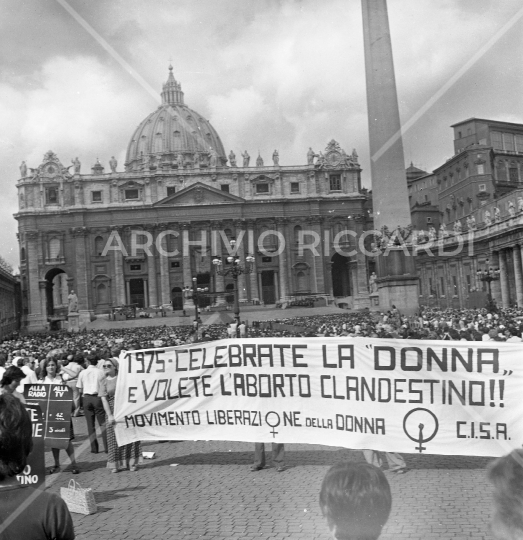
<point x="205" y="490"/>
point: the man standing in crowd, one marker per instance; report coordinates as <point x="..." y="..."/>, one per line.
<point x="396" y="462"/>
<point x="278" y="457"/>
<point x="88" y="385"/>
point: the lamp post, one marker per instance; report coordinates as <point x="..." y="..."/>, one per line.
<point x="196" y="292"/>
<point x="488" y="275"/>
<point x="235" y="270"/>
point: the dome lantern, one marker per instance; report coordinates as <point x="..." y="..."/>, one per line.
<point x="172" y="90"/>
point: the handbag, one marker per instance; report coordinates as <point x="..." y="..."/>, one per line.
<point x="78" y="499"/>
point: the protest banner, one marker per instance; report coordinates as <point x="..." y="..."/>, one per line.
<point x="55" y="401"/>
<point x="34" y="472"/>
<point x="435" y="397"/>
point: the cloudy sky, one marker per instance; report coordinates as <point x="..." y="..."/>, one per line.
<point x="77" y="76"/>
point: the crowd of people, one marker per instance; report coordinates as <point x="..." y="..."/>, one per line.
<point x="355" y="498"/>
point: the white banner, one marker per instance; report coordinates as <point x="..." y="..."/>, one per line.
<point x="435" y="397"/>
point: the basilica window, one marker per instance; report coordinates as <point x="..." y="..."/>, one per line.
<point x="54" y="248"/>
<point x="519" y="143"/>
<point x="295" y="187"/>
<point x="131" y="194"/>
<point x="51" y="195"/>
<point x="171" y="190"/>
<point x="96" y="196"/>
<point x="481" y="168"/>
<point x="335" y="182"/>
<point x="225" y="187"/>
<point x="99" y="245"/>
<point x="262" y="188"/>
<point x="513" y="174"/>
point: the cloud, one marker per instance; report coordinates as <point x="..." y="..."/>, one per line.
<point x="75" y="107"/>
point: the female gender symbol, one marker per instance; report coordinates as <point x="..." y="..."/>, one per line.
<point x="420" y="439"/>
<point x="276" y="423"/>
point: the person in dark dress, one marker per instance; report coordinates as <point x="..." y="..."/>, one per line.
<point x="25" y="512"/>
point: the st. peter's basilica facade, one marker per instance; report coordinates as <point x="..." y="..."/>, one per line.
<point x="181" y="193"/>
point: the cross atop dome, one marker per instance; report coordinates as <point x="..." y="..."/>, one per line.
<point x="172" y="90"/>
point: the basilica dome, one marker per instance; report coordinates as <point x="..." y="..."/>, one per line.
<point x="174" y="135"/>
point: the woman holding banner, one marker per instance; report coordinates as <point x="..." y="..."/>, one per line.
<point x="120" y="457"/>
<point x="50" y="375"/>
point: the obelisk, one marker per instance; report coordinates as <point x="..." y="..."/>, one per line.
<point x="397" y="280"/>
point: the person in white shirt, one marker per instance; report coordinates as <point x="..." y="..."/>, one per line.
<point x="243" y="329"/>
<point x="70" y="375"/>
<point x="3" y="359"/>
<point x="88" y="385"/>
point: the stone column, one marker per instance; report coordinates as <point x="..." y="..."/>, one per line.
<point x="80" y="235"/>
<point x="165" y="288"/>
<point x="518" y="274"/>
<point x="42" y="284"/>
<point x="217" y="251"/>
<point x="151" y="270"/>
<point x="495" y="286"/>
<point x="119" y="283"/>
<point x="253" y="276"/>
<point x="282" y="260"/>
<point x="318" y="273"/>
<point x="186" y="263"/>
<point x="239" y="226"/>
<point x="503" y="278"/>
<point x="35" y="318"/>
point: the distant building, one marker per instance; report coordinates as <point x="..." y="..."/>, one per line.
<point x="480" y="198"/>
<point x="423" y="199"/>
<point x="10" y="312"/>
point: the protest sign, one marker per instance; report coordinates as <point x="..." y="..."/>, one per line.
<point x="55" y="401"/>
<point x="435" y="397"/>
<point x="34" y="472"/>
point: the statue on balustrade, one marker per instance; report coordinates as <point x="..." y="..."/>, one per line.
<point x="373" y="286"/>
<point x="487" y="219"/>
<point x="497" y="214"/>
<point x="113" y="164"/>
<point x="276" y="157"/>
<point x="259" y="161"/>
<point x="72" y="302"/>
<point x="511" y="209"/>
<point x="23" y="170"/>
<point x="246" y="158"/>
<point x="232" y="159"/>
<point x="77" y="165"/>
<point x="310" y="156"/>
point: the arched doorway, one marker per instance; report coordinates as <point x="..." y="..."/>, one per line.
<point x="56" y="293"/>
<point x="177" y="298"/>
<point x="268" y="287"/>
<point x="340" y="275"/>
<point x="137" y="292"/>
